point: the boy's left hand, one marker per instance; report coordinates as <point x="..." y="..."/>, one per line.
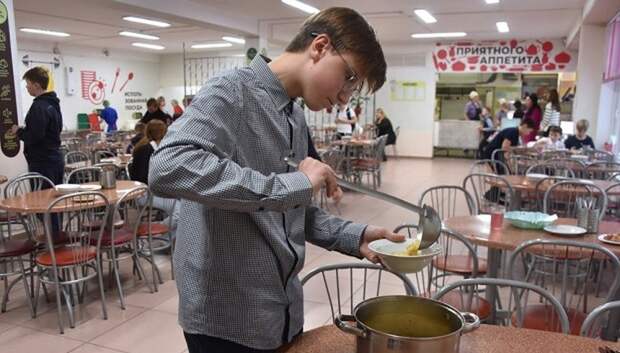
<point x="373" y="233"/>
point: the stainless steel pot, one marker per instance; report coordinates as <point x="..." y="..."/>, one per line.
<point x="406" y="324"/>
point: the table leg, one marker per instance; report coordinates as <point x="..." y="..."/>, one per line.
<point x="494" y="259"/>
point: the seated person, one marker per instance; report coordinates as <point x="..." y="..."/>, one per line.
<point x="581" y="138"/>
<point x="508" y="137"/>
<point x="550" y="143"/>
<point x="139" y="130"/>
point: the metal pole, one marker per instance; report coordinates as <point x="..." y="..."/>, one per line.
<point x="184" y="73"/>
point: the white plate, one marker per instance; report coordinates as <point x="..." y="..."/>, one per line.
<point x="536" y="176"/>
<point x="90" y="187"/>
<point x="601" y="237"/>
<point x="67" y="188"/>
<point x="586" y="181"/>
<point x="564" y="229"/>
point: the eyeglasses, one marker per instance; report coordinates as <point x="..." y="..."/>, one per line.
<point x="352" y="84"/>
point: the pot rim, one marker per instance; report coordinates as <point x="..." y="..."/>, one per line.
<point x="448" y="307"/>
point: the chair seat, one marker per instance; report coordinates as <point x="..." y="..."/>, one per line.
<point x="458" y="300"/>
<point x="156" y="229"/>
<point x="542" y="317"/>
<point x="16" y="247"/>
<point x="7" y="217"/>
<point x="460" y="264"/>
<point x="96" y="224"/>
<point x="121" y="236"/>
<point x="68" y="255"/>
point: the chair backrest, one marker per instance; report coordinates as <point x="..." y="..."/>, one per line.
<point x="515" y="299"/>
<point x="540" y="188"/>
<point x="76" y="156"/>
<point x="488" y="166"/>
<point x="489" y="190"/>
<point x="565" y="268"/>
<point x="84" y="175"/>
<point x="593" y="325"/>
<point x="435" y="276"/>
<point x="73" y="211"/>
<point x="132" y="207"/>
<point x="335" y="159"/>
<point x="602" y="170"/>
<point x="578" y="168"/>
<point x="519" y="163"/>
<point x="613" y="201"/>
<point x="561" y="197"/>
<point x="554" y="154"/>
<point x="99" y="155"/>
<point x="614" y="177"/>
<point x="551" y="169"/>
<point x="346" y="285"/>
<point x="25" y="183"/>
<point x="449" y="201"/>
<point x="600" y="155"/>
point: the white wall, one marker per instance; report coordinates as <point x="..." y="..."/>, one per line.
<point x="145" y="81"/>
<point x="415" y="118"/>
<point x="590" y="67"/>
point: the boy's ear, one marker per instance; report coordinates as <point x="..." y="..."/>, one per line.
<point x="319" y="46"/>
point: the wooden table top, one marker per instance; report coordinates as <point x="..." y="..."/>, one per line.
<point x="3" y="179"/>
<point x="38" y="201"/>
<point x="523" y="183"/>
<point x="478" y="230"/>
<point x="485" y="339"/>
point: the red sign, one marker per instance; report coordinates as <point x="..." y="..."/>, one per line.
<point x="503" y="56"/>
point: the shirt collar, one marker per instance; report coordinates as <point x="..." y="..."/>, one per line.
<point x="270" y="82"/>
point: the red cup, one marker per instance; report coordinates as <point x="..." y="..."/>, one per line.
<point x="497" y="218"/>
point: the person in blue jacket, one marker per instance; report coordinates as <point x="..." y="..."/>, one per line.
<point x="109" y="115"/>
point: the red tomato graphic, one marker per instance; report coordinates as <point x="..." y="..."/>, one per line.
<point x="442" y="54"/>
<point x="562" y="58"/>
<point x="458" y="66"/>
<point x="547" y="46"/>
<point x="532" y="50"/>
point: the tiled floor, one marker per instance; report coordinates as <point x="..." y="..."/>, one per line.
<point x="149" y="324"/>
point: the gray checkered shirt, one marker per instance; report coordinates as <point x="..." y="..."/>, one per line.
<point x="244" y="216"/>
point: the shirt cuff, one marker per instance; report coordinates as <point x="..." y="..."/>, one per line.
<point x="350" y="240"/>
<point x="298" y="189"/>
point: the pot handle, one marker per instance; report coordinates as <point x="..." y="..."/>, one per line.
<point x="472" y="322"/>
<point x="342" y="322"/>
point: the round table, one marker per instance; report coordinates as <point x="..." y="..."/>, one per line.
<point x="38" y="201"/>
<point x="521" y="183"/>
<point x="485" y="339"/>
<point x="478" y="230"/>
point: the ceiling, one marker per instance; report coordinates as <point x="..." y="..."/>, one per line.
<point x="96" y="23"/>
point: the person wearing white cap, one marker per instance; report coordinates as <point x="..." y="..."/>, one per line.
<point x="473" y="108"/>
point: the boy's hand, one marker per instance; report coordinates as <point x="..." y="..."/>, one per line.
<point x="321" y="174"/>
<point x="373" y="233"/>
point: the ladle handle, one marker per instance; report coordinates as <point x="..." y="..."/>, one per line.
<point x="376" y="194"/>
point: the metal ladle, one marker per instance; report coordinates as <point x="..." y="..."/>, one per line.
<point x="429" y="219"/>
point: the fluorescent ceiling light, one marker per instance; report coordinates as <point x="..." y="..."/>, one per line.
<point x="490" y="2"/>
<point x="138" y="35"/>
<point x="234" y="39"/>
<point x="146" y="21"/>
<point x="301" y="6"/>
<point x="149" y="46"/>
<point x="45" y="32"/>
<point x="438" y="35"/>
<point x="502" y="27"/>
<point x="211" y="45"/>
<point x="425" y="16"/>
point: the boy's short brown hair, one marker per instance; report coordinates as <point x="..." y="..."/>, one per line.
<point x="38" y="75"/>
<point x="349" y="33"/>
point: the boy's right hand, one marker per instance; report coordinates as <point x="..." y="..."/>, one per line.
<point x="320" y="174"/>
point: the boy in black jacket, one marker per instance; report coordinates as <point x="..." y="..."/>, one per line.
<point x="41" y="135"/>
